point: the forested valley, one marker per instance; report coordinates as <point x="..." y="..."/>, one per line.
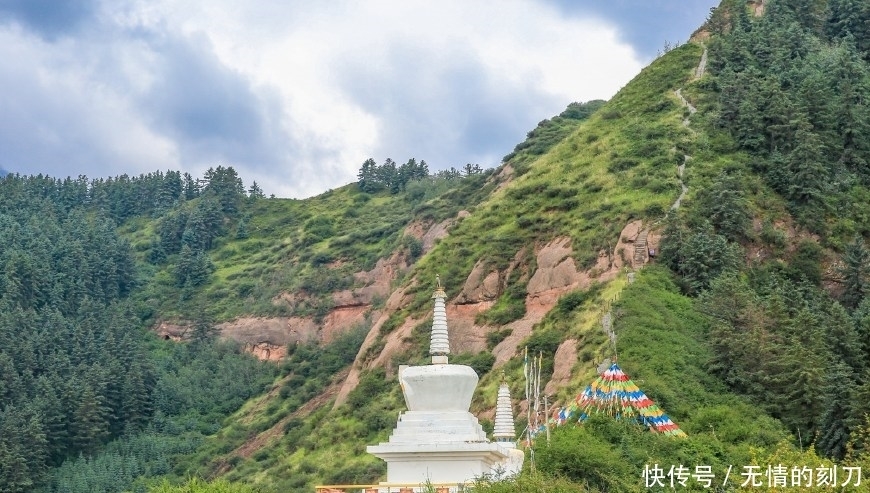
<point x="90" y="398"/>
<point x="89" y="401"/>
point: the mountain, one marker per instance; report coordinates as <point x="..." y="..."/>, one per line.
<point x="710" y="219"/>
<point x="727" y="158"/>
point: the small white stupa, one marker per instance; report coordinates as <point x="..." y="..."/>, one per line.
<point x="505" y="433"/>
<point x="437" y="439"/>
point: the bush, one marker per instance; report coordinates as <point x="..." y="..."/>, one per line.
<point x="622" y="164"/>
<point x="481" y="362"/>
<point x="528" y="482"/>
<point x="580" y="454"/>
<point x="414" y="246"/>
<point x="196" y="485"/>
<point x="570" y="301"/>
<point x="654" y="210"/>
<point x="319" y="228"/>
<point x="370" y="384"/>
<point x="494" y="338"/>
<point x="503" y="312"/>
<point x="510" y="306"/>
<point x="545" y="341"/>
<point x="357" y="473"/>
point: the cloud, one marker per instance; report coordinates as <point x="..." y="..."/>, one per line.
<point x="49" y="18"/>
<point x="295" y="95"/>
<point x="208" y="109"/>
<point x="449" y="83"/>
<point x="646" y="24"/>
<point x="56" y="120"/>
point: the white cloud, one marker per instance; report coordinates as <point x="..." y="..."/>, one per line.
<point x="330" y="83"/>
<point x="58" y="119"/>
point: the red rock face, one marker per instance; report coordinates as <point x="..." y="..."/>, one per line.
<point x="556" y="273"/>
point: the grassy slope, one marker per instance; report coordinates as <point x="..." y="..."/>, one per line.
<point x="313" y="245"/>
<point x="571" y="191"/>
<point x="587" y="187"/>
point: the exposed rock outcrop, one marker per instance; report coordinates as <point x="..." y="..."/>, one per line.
<point x="429" y="233"/>
<point x="480" y="286"/>
<point x="436" y="232"/>
<point x="563" y="362"/>
<point x="267" y="352"/>
<point x="267" y="338"/>
<point x="264" y="336"/>
<point x="556" y="268"/>
<point x="171" y="332"/>
<point x="758" y="6"/>
<point x="556" y="273"/>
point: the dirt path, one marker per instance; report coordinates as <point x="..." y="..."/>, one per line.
<point x="681" y="169"/>
<point x="687" y="104"/>
<point x="702" y="65"/>
<point x="684" y="189"/>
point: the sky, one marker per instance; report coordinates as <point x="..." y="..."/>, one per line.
<point x="297" y="94"/>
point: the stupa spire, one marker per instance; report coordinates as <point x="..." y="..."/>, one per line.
<point x="437" y="439"/>
<point x="439" y="344"/>
<point x="503" y="430"/>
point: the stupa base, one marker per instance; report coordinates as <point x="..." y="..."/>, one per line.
<point x="440" y="462"/>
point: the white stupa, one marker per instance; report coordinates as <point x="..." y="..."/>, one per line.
<point x="505" y="433"/>
<point x="437" y="439"/>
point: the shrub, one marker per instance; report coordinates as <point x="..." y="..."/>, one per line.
<point x="319" y="228"/>
<point x="370" y="384"/>
<point x="622" y="164"/>
<point x="481" y="362"/>
<point x="414" y="246"/>
<point x="570" y="301"/>
<point x="544" y="341"/>
<point x="494" y="338"/>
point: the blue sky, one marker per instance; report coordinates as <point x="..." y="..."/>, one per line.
<point x="296" y="95"/>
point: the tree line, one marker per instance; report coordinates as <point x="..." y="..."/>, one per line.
<point x="791" y="91"/>
<point x="394" y="178"/>
<point x="122" y="197"/>
<point x="77" y="369"/>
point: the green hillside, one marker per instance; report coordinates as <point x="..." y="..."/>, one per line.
<point x="735" y="224"/>
<point x="715" y="211"/>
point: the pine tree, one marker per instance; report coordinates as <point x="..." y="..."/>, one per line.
<point x="856" y="272"/>
<point x="724" y="204"/>
<point x="90" y="426"/>
<point x="843" y="338"/>
<point x="136" y="407"/>
<point x="204" y="329"/>
<point x="806" y="165"/>
<point x="10" y="387"/>
<point x="255" y="192"/>
<point x="242" y="229"/>
<point x="190" y="187"/>
<point x="388" y="175"/>
<point x="192" y="268"/>
<point x="837" y="420"/>
<point x="14" y="474"/>
<point x="367" y="177"/>
<point x="861" y="317"/>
